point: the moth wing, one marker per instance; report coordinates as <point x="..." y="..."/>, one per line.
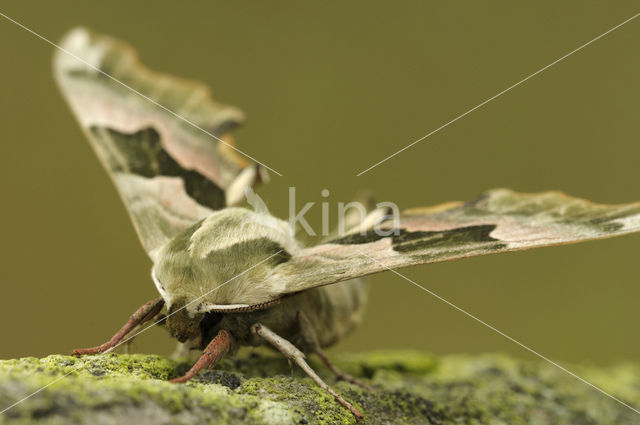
<point x="169" y="173"/>
<point x="500" y="220"/>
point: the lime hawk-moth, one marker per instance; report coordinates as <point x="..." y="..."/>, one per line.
<point x="230" y="276"/>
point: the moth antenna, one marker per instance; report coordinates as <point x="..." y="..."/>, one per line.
<point x="255" y="201"/>
<point x="245" y="180"/>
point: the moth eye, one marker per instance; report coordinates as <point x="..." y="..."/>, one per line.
<point x="159" y="287"/>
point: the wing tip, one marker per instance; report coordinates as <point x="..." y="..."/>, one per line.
<point x="79" y="42"/>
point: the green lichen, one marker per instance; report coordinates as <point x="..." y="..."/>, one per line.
<point x="410" y="388"/>
<point x="366" y="364"/>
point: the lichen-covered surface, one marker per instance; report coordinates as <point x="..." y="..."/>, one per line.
<point x="410" y="387"/>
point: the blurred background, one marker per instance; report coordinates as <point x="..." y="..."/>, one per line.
<point x="330" y="89"/>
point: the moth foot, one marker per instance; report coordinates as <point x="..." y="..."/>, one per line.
<point x="77" y="352"/>
<point x="292" y="353"/>
<point x="217" y="348"/>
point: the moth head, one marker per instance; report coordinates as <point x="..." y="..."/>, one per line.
<point x="223" y="263"/>
<point x="185" y="325"/>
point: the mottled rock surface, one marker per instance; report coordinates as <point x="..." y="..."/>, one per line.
<point x="410" y="387"/>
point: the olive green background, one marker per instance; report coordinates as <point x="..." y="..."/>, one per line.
<point x="329" y="90"/>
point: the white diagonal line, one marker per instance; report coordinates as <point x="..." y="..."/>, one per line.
<point x="180" y="117"/>
<point x="136" y="334"/>
<point x="499" y="94"/>
<point x="498" y="331"/>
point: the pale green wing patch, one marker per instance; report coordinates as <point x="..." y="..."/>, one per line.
<point x="169" y="173"/>
<point x="498" y="221"/>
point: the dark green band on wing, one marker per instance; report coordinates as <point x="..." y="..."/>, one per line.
<point x="359" y="238"/>
<point x="409" y="242"/>
<point x="142" y="153"/>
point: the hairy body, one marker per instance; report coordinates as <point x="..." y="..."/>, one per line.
<point x="332" y="311"/>
<point x="232" y="255"/>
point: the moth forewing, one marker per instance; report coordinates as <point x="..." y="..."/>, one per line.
<point x="168" y="168"/>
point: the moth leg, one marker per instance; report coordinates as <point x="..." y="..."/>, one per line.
<point x="292" y="353"/>
<point x="159" y="320"/>
<point x="310" y="338"/>
<point x="145" y="313"/>
<point x="217" y="348"/>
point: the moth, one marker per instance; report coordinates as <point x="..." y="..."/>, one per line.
<point x="230" y="276"/>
